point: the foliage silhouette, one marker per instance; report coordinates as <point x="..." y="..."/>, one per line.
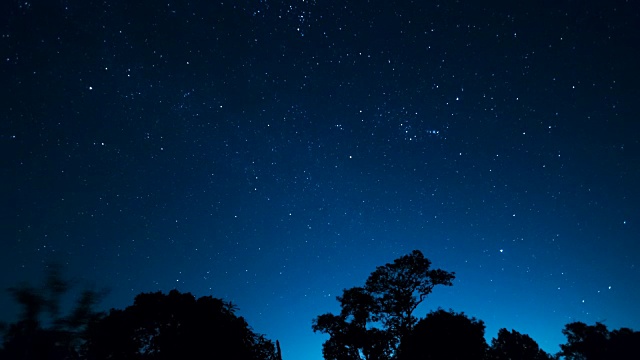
<point x="513" y="345"/>
<point x="376" y="322"/>
<point x="445" y="335"/>
<point x="176" y="326"/>
<point x="29" y="339"/>
<point x="376" y="318"/>
<point x="595" y="342"/>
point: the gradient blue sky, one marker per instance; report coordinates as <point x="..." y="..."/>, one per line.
<point x="273" y="153"/>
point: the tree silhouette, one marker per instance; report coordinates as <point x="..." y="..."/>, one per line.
<point x="176" y="326"/>
<point x="399" y="288"/>
<point x="63" y="337"/>
<point x="595" y="342"/>
<point x="445" y="335"/>
<point x="375" y="318"/>
<point x="513" y="345"/>
<point x="624" y="344"/>
<point x="584" y="341"/>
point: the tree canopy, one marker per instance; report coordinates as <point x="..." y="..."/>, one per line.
<point x="514" y="345"/>
<point x="156" y="327"/>
<point x="176" y="326"/>
<point x="445" y="335"/>
<point x="596" y="342"/>
<point x="376" y="318"/>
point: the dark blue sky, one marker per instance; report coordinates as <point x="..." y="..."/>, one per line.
<point x="273" y="153"/>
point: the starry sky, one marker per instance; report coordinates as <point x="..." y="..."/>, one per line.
<point x="273" y="153"/>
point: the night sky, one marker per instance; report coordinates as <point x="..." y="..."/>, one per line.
<point x="273" y="153"/>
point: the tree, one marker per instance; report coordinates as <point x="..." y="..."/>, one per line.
<point x="349" y="340"/>
<point x="445" y="335"/>
<point x="595" y="342"/>
<point x="176" y="326"/>
<point x="513" y="345"/>
<point x="399" y="288"/>
<point x="584" y="342"/>
<point x="624" y="344"/>
<point x="63" y="337"/>
<point x="376" y="318"/>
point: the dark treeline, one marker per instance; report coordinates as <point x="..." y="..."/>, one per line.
<point x="156" y="327"/>
<point x="376" y="322"/>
